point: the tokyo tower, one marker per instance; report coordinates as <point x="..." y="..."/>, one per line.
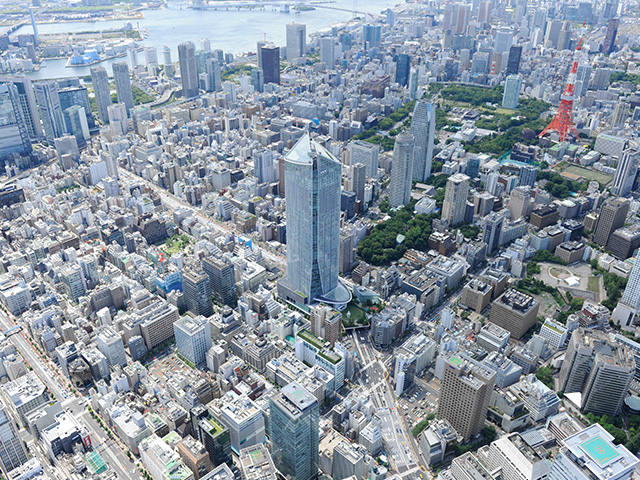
<point x="562" y="122"/>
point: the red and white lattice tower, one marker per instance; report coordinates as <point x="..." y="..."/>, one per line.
<point x="562" y="122"/>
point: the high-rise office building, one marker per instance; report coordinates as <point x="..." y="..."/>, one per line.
<point x="13" y="129"/>
<point x="629" y="305"/>
<point x="75" y="121"/>
<point x="590" y="454"/>
<point x="46" y="94"/>
<point x="511" y="94"/>
<point x="12" y="451"/>
<point x="123" y="84"/>
<point x="296" y="41"/>
<point x="76" y="95"/>
<point x="270" y="55"/>
<point x="515" y="311"/>
<point x="312" y="179"/>
<point x="612" y="216"/>
<point x="293" y="431"/>
<point x="371" y="35"/>
<point x="118" y="118"/>
<point x="626" y="171"/>
<point x="166" y="61"/>
<point x="513" y="61"/>
<point x="608" y="44"/>
<point x="263" y="167"/>
<point x="504" y="39"/>
<point x="257" y="79"/>
<point x="528" y="175"/>
<point x="193" y="338"/>
<point x="188" y="71"/>
<point x="110" y="344"/>
<point x="328" y="52"/>
<point x="598" y="368"/>
<point x="358" y="177"/>
<point x="196" y="289"/>
<point x="401" y="170"/>
<point x="413" y="83"/>
<point x="464" y="394"/>
<point x="27" y="102"/>
<point x="423" y="129"/>
<point x="455" y="199"/>
<point x="403" y="68"/>
<point x="492" y="230"/>
<point x="221" y="274"/>
<point x="520" y="202"/>
<point x="620" y="114"/>
<point x="100" y="81"/>
<point x="367" y="154"/>
<point x="214" y="74"/>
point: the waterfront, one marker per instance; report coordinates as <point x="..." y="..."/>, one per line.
<point x="231" y="30"/>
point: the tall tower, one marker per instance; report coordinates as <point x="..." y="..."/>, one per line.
<point x="401" y="170"/>
<point x="196" y="288"/>
<point x="123" y="84"/>
<point x="465" y="393"/>
<point x="423" y="129"/>
<point x="293" y="431"/>
<point x="27" y="101"/>
<point x="100" y="81"/>
<point x="562" y="122"/>
<point x="612" y="216"/>
<point x="50" y="110"/>
<point x="188" y="71"/>
<point x="312" y="182"/>
<point x="626" y="171"/>
<point x="296" y="40"/>
<point x="455" y="199"/>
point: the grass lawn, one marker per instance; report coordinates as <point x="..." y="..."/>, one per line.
<point x="358" y="316"/>
<point x="594" y="284"/>
<point x="589" y="174"/>
<point x="176" y="244"/>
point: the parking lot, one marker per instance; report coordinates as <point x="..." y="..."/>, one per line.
<point x="420" y="400"/>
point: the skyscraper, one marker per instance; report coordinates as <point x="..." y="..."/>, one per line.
<point x="27" y="102"/>
<point x="423" y="129"/>
<point x="492" y="231"/>
<point x="75" y="121"/>
<point x="455" y="199"/>
<point x="608" y="44"/>
<point x="50" y="110"/>
<point x="76" y="95"/>
<point x="118" y="118"/>
<point x="188" y="71"/>
<point x="123" y="84"/>
<point x="270" y="55"/>
<point x="612" y="216"/>
<point x="358" y="177"/>
<point x="367" y="154"/>
<point x="520" y="202"/>
<point x="403" y="67"/>
<point x="110" y="344"/>
<point x="504" y="39"/>
<point x="100" y="81"/>
<point x="193" y="338"/>
<point x="13" y="130"/>
<point x="513" y="62"/>
<point x="328" y="52"/>
<point x="620" y="114"/>
<point x="626" y="171"/>
<point x="371" y="35"/>
<point x="464" y="395"/>
<point x="312" y="182"/>
<point x="296" y="41"/>
<point x="598" y="368"/>
<point x="629" y="305"/>
<point x="293" y="431"/>
<point x="166" y="60"/>
<point x="257" y="79"/>
<point x="214" y="73"/>
<point x="511" y="94"/>
<point x="528" y="175"/>
<point x="196" y="289"/>
<point x="401" y="170"/>
<point x="12" y="451"/>
<point x="222" y="279"/>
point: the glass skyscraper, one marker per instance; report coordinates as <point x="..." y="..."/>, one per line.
<point x="423" y="128"/>
<point x="293" y="431"/>
<point x="312" y="182"/>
